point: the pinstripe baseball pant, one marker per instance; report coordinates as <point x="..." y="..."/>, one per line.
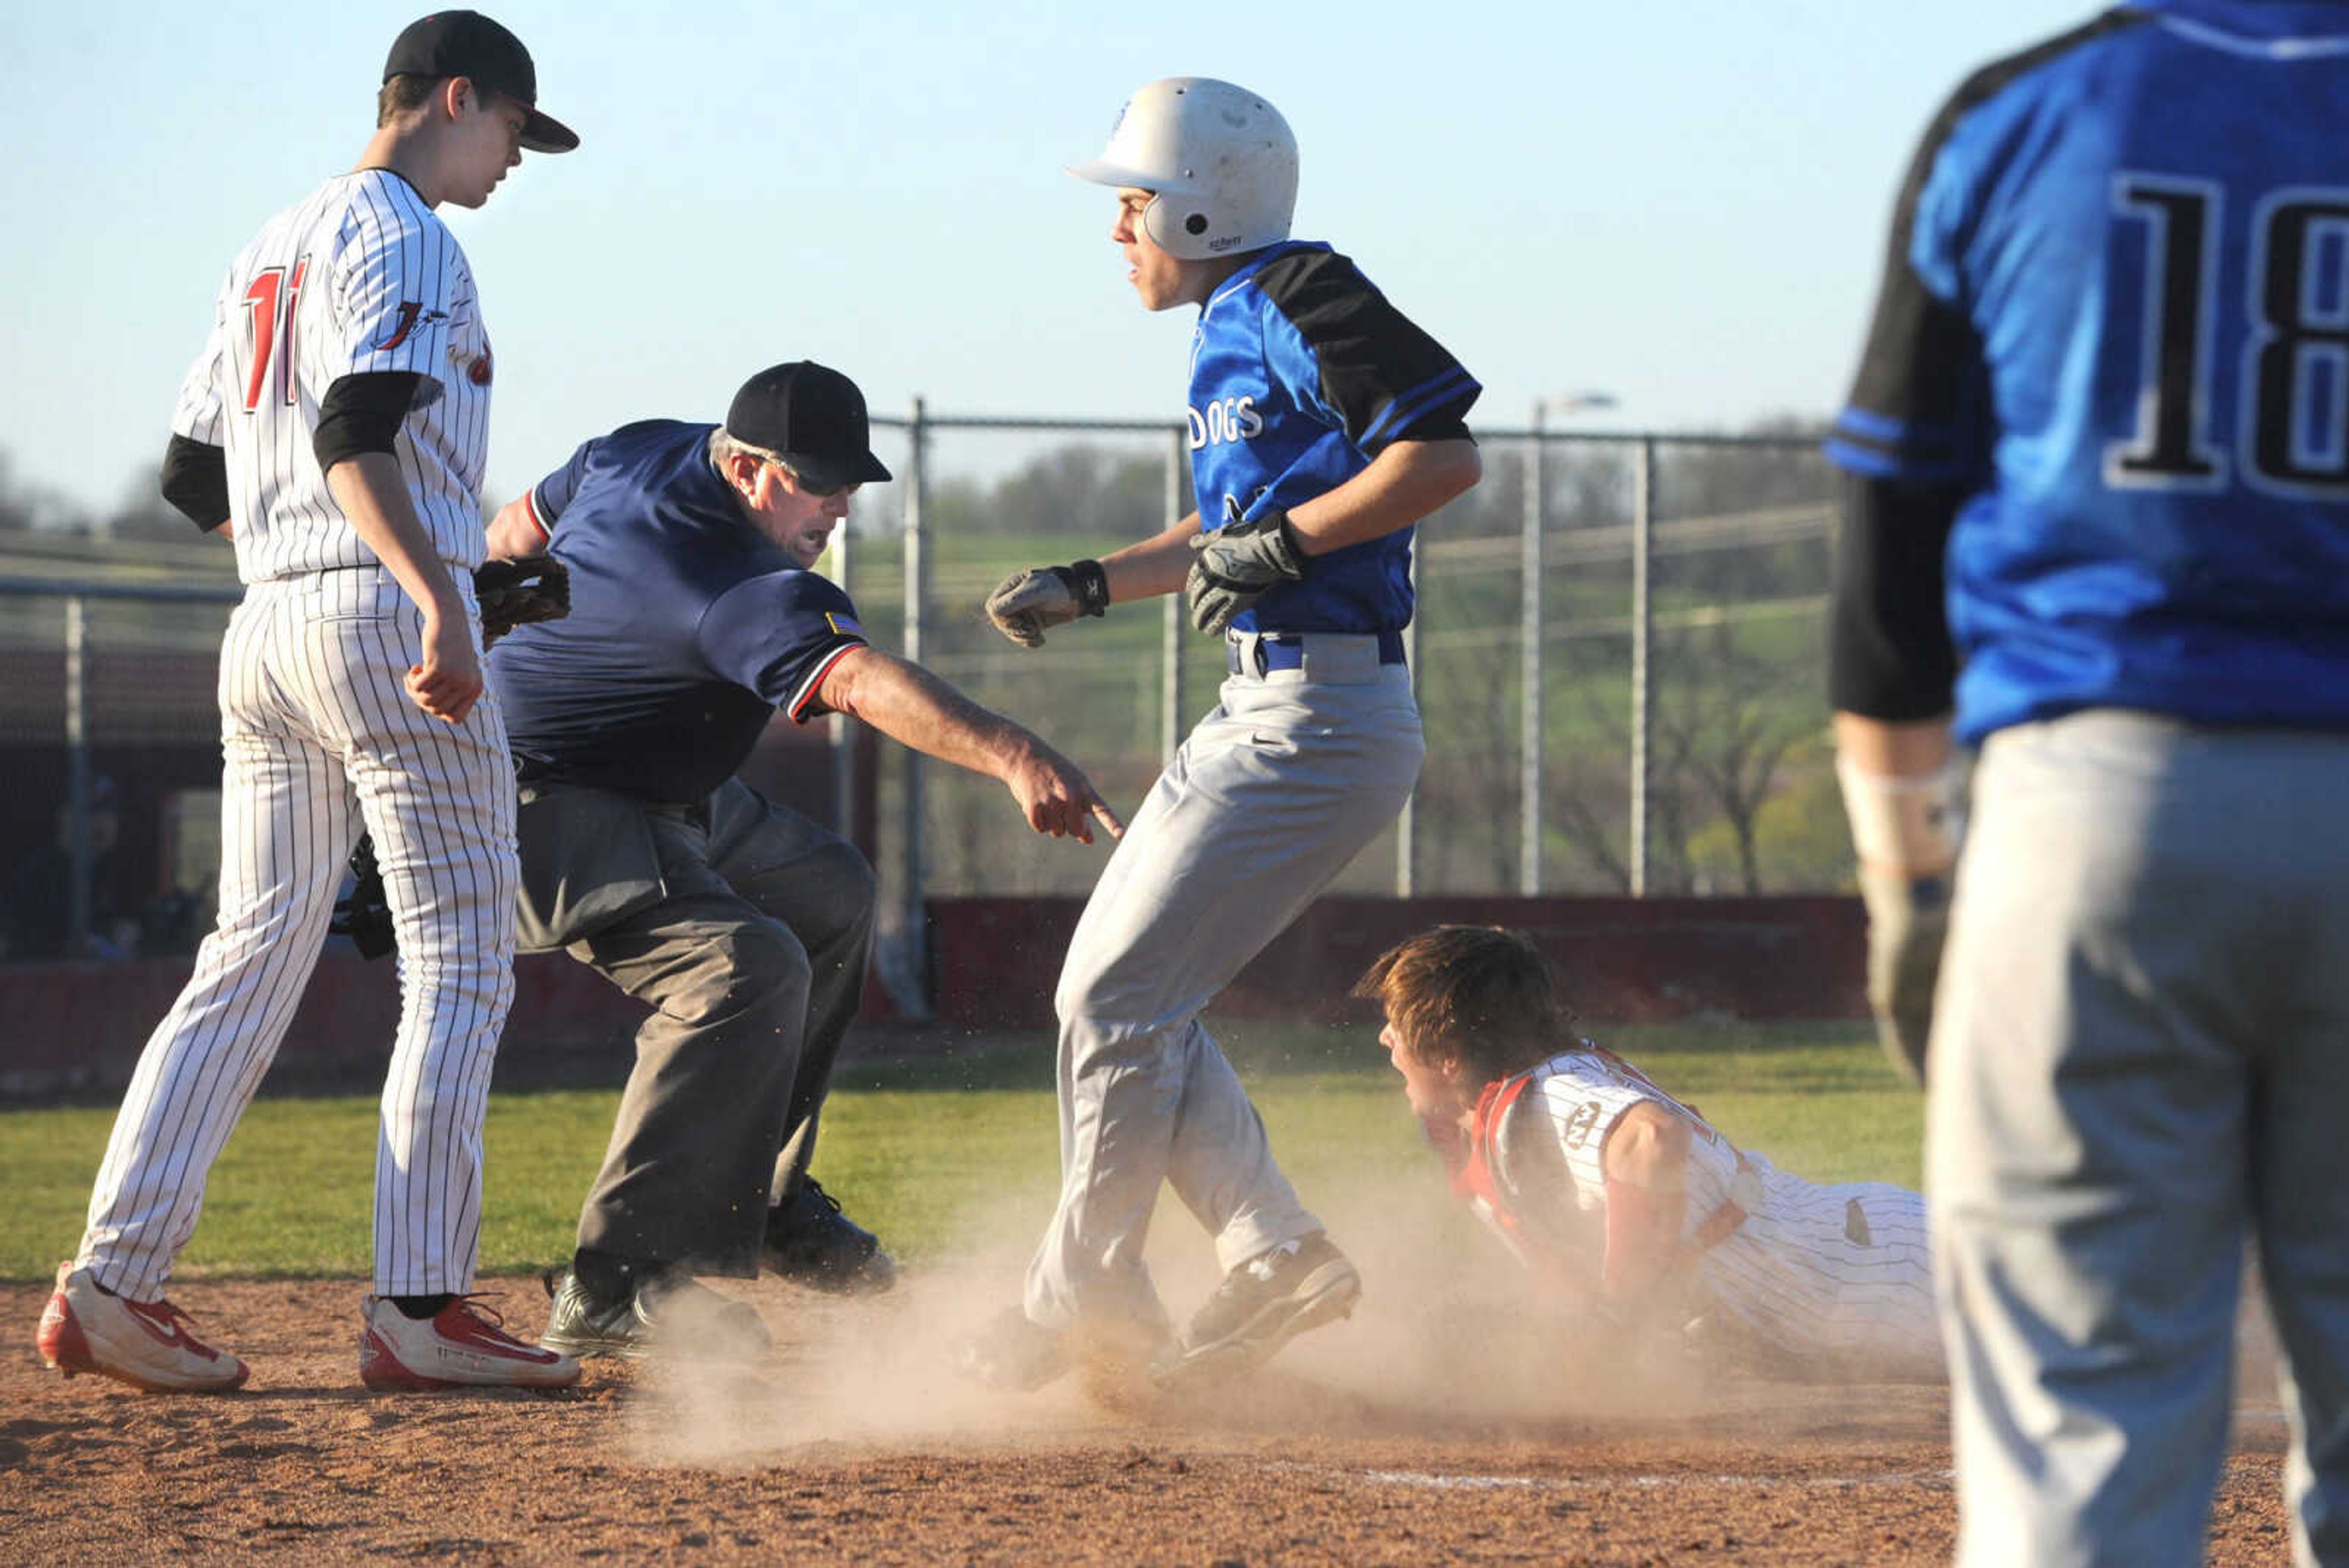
<point x="320" y="738"/>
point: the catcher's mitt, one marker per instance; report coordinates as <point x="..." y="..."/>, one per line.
<point x="364" y="915"/>
<point x="516" y="593"/>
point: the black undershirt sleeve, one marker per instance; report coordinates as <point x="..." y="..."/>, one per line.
<point x="362" y="413"/>
<point x="195" y="480"/>
<point x="1889" y="650"/>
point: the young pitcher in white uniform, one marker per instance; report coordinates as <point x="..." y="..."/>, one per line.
<point x="337" y="423"/>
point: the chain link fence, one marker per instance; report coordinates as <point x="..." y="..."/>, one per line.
<point x="1676" y="639"/>
<point x="1618" y="655"/>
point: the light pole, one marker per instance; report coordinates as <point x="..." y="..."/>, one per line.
<point x="1529" y="635"/>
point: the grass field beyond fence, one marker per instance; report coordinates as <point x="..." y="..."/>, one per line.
<point x="913" y="1147"/>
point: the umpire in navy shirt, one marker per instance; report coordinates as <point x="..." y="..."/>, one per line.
<point x="746" y="927"/>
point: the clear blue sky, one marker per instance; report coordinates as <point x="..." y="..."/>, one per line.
<point x="1680" y="203"/>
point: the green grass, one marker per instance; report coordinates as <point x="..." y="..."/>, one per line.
<point x="915" y="1147"/>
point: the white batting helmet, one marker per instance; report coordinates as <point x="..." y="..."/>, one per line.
<point x="1221" y="160"/>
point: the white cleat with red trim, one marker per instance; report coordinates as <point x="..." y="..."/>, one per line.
<point x="462" y="1346"/>
<point x="148" y="1345"/>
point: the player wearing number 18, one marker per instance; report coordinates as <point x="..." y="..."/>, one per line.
<point x="2098" y="456"/>
<point x="337" y="417"/>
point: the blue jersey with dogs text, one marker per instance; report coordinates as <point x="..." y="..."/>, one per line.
<point x="2115" y="320"/>
<point x="1302" y="373"/>
<point x="688" y="627"/>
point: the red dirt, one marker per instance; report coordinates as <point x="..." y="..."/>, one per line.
<point x="795" y="1464"/>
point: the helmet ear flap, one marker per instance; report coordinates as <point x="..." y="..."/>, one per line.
<point x="1179" y="226"/>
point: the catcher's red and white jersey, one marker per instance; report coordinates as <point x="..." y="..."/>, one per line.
<point x="359" y="278"/>
<point x="1838" y="1274"/>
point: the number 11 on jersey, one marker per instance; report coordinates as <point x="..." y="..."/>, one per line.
<point x="262" y="317"/>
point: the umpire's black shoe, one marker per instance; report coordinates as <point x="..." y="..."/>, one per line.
<point x="1260" y="1306"/>
<point x="810" y="1242"/>
<point x="674" y="1317"/>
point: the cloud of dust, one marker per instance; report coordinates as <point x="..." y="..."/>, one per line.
<point x="1452" y="1336"/>
<point x="868" y="1372"/>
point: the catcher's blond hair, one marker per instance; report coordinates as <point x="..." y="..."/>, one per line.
<point x="1477" y="995"/>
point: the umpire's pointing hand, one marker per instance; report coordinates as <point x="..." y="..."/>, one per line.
<point x="1057" y="797"/>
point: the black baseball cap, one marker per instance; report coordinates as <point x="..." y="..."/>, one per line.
<point x="813" y="418"/>
<point x="468" y="44"/>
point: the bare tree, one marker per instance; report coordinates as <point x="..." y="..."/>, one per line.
<point x="1730" y="727"/>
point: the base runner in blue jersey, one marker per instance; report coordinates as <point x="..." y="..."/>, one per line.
<point x="2097" y="525"/>
<point x="1324" y="425"/>
<point x="696" y="617"/>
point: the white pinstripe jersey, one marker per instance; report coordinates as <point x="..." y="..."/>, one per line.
<point x="360" y="277"/>
<point x="1833" y="1272"/>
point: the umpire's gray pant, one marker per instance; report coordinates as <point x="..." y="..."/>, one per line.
<point x="746" y="928"/>
<point x="2141" y="1051"/>
<point x="1272" y="794"/>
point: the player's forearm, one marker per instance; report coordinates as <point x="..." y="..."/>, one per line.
<point x="1403" y="485"/>
<point x="914" y="707"/>
<point x="1646" y="1166"/>
<point x="515" y="532"/>
<point x="1158" y="565"/>
<point x="373" y="496"/>
<point x="1901" y="791"/>
<point x="1884" y="747"/>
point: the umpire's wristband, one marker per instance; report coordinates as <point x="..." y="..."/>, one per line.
<point x="1087" y="584"/>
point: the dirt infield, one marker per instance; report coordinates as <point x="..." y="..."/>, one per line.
<point x="855" y="1444"/>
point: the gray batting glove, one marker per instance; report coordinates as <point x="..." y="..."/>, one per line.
<point x="1025" y="603"/>
<point x="1237" y="564"/>
<point x="1907" y="920"/>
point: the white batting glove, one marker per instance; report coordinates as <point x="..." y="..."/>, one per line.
<point x="1907" y="923"/>
<point x="1025" y="603"/>
<point x="1898" y="824"/>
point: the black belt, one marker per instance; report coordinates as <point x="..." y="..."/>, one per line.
<point x="1286" y="650"/>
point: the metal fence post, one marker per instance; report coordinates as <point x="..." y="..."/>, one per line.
<point x="1643" y="526"/>
<point x="1407" y="824"/>
<point x="1169" y="654"/>
<point x="842" y="739"/>
<point x="913" y="988"/>
<point x="79" y="851"/>
<point x="1529" y="667"/>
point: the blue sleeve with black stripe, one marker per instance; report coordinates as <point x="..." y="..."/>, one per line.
<point x="1353" y="360"/>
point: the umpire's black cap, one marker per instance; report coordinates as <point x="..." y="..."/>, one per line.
<point x="468" y="44"/>
<point x="813" y="418"/>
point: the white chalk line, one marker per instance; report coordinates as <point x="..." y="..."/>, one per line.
<point x="1939" y="1480"/>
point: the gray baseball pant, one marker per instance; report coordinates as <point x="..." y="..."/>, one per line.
<point x="2141" y="1051"/>
<point x="751" y="945"/>
<point x="1283" y="784"/>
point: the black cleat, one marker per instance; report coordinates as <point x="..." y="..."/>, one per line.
<point x="810" y="1242"/>
<point x="1260" y="1306"/>
<point x="679" y="1318"/>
